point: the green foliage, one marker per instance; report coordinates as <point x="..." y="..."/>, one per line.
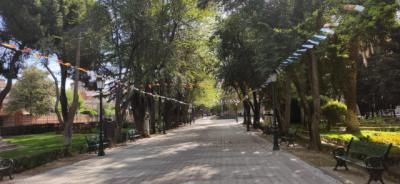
<point x="70" y="95"/>
<point x="109" y="109"/>
<point x="206" y="94"/>
<point x="33" y="92"/>
<point x="334" y="111"/>
<point x="374" y="136"/>
<point x="163" y="42"/>
<point x="88" y="111"/>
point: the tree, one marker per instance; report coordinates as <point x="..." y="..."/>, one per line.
<point x="33" y="92"/>
<point x="56" y="27"/>
<point x="359" y="35"/>
<point x="155" y="46"/>
<point x="13" y="33"/>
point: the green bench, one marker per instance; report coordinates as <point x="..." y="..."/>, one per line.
<point x="368" y="155"/>
<point x="93" y="141"/>
<point x="267" y="130"/>
<point x="132" y="134"/>
<point x="290" y="137"/>
<point x="6" y="168"/>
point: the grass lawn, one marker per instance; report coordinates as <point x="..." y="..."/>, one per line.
<point x="29" y="145"/>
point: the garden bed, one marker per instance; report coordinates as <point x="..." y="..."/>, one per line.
<point x="333" y="140"/>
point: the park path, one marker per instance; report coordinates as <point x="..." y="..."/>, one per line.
<point x="210" y="151"/>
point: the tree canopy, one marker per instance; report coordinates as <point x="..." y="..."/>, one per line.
<point x="33" y="92"/>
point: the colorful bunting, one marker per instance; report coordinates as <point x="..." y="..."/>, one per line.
<point x="10" y="46"/>
<point x="301" y="50"/>
<point x="327" y="31"/>
<point x="320" y="37"/>
<point x="308" y="46"/>
<point x="313" y="42"/>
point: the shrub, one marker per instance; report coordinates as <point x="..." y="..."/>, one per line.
<point x="334" y="111"/>
<point x="323" y="100"/>
<point x="90" y="112"/>
<point x="31" y="161"/>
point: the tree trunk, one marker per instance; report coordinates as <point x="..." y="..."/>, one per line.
<point x="287" y="108"/>
<point x="12" y="73"/>
<point x="150" y="105"/>
<point x="63" y="96"/>
<point x="256" y="117"/>
<point x="301" y="91"/>
<point x="120" y="106"/>
<point x="315" y="139"/>
<point x="350" y="90"/>
<point x="75" y="102"/>
<point x="139" y="110"/>
<point x="248" y="114"/>
<point x="152" y="112"/>
<point x="119" y="113"/>
<point x="59" y="117"/>
<point x="244" y="113"/>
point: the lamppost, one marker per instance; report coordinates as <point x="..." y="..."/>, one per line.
<point x="272" y="79"/>
<point x="100" y="86"/>
<point x="162" y="119"/>
<point x="190" y="114"/>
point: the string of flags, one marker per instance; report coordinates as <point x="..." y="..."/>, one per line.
<point x="162" y="97"/>
<point x="37" y="55"/>
<point x="29" y="51"/>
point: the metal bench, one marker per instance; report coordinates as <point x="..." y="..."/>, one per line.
<point x="132" y="134"/>
<point x="368" y="155"/>
<point x="6" y="168"/>
<point x="289" y="137"/>
<point x="267" y="129"/>
<point x="93" y="143"/>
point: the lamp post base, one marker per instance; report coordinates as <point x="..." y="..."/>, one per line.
<point x="276" y="144"/>
<point x="101" y="153"/>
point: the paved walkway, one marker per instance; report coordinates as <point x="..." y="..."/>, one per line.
<point x="211" y="151"/>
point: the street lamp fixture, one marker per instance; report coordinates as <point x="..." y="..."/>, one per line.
<point x="100" y="86"/>
<point x="190" y="111"/>
<point x="272" y="79"/>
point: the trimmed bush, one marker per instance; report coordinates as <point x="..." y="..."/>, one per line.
<point x="90" y="112"/>
<point x="334" y="112"/>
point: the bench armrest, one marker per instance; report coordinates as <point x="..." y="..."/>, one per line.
<point x="374" y="163"/>
<point x="7" y="162"/>
<point x="338" y="152"/>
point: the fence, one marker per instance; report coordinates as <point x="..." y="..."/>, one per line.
<point x="44" y="128"/>
<point x="19" y="119"/>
